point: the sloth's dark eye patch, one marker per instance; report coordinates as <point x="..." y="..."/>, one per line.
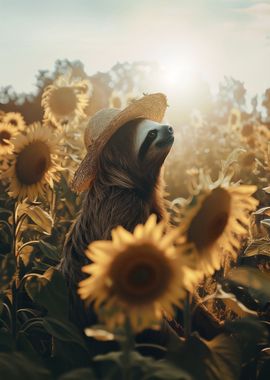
<point x="152" y="134"/>
<point x="147" y="143"/>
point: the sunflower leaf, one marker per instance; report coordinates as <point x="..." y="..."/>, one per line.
<point x="267" y="189"/>
<point x="252" y="278"/>
<point x="41" y="217"/>
<point x="7" y="270"/>
<point x="144" y="368"/>
<point x="63" y="330"/>
<point x="81" y="373"/>
<point x="49" y="290"/>
<point x="34" y="227"/>
<point x="258" y="247"/>
<point x="231" y="301"/>
<point x="49" y="250"/>
<point x="5" y="210"/>
<point x="217" y="359"/>
<point x="263" y="210"/>
<point x="20" y="367"/>
<point x="250" y="334"/>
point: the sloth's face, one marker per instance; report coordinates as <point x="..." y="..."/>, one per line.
<point x="138" y="149"/>
<point x="135" y="153"/>
<point x="153" y="140"/>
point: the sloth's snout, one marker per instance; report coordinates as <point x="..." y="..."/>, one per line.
<point x="165" y="136"/>
<point x="167" y="130"/>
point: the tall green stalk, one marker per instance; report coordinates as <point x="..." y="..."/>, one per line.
<point x="187" y="315"/>
<point x="14" y="283"/>
<point x="127" y="344"/>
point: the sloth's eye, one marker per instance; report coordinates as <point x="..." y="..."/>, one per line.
<point x="152" y="134"/>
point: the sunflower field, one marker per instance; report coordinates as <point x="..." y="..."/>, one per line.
<point x="185" y="299"/>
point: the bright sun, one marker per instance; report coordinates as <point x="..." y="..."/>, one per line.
<point x="178" y="74"/>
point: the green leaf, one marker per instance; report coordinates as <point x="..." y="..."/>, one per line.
<point x="264" y="371"/>
<point x="252" y="278"/>
<point x="258" y="247"/>
<point x="5" y="210"/>
<point x="7" y="270"/>
<point x="41" y="218"/>
<point x="49" y="250"/>
<point x="262" y="211"/>
<point x="6" y="341"/>
<point x="163" y="369"/>
<point x="50" y="291"/>
<point x="232" y="158"/>
<point x="16" y="366"/>
<point x="144" y="368"/>
<point x="233" y="303"/>
<point x="79" y="374"/>
<point x="267" y="189"/>
<point x="217" y="359"/>
<point x="24" y="345"/>
<point x="33" y="227"/>
<point x="265" y="222"/>
<point x="63" y="330"/>
<point x="250" y="334"/>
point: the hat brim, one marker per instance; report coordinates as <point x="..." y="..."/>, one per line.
<point x="152" y="107"/>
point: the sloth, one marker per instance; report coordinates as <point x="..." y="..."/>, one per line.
<point x="128" y="188"/>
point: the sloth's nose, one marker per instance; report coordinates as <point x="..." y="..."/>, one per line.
<point x="168" y="129"/>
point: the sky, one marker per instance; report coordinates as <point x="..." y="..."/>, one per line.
<point x="212" y="38"/>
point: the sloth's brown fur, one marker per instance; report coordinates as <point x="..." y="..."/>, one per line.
<point x="125" y="192"/>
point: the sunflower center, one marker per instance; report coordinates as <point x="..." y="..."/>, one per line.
<point x="248" y="159"/>
<point x="4" y="135"/>
<point x="218" y="225"/>
<point x="13" y="122"/>
<point x="33" y="162"/>
<point x="211" y="220"/>
<point x="140" y="274"/>
<point x="247" y="130"/>
<point x="63" y="101"/>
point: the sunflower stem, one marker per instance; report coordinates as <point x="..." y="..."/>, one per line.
<point x="14" y="225"/>
<point x="187" y="315"/>
<point x="15" y="281"/>
<point x="127" y="348"/>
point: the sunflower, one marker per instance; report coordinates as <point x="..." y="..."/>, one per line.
<point x="66" y="100"/>
<point x="115" y="100"/>
<point x="247" y="160"/>
<point x="7" y="133"/>
<point x="211" y="224"/>
<point x="252" y="142"/>
<point x="15" y="119"/>
<point x="137" y="276"/>
<point x="247" y="130"/>
<point x="2" y="114"/>
<point x="33" y="163"/>
<point x="234" y="119"/>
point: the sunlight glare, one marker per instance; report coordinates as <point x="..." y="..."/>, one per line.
<point x="180" y="73"/>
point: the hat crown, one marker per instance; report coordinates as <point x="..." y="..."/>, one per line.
<point x="98" y="124"/>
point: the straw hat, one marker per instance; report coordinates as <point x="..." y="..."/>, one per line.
<point x="104" y="124"/>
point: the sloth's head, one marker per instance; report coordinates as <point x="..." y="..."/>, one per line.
<point x="135" y="153"/>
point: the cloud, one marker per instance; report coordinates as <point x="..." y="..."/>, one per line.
<point x="256" y="17"/>
<point x="259" y="9"/>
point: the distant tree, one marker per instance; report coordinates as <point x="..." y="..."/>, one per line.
<point x="266" y="101"/>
